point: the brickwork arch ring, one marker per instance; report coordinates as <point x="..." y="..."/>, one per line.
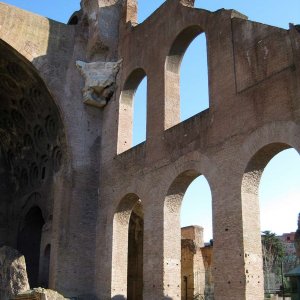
<point x="179" y="47"/>
<point x="172" y="72"/>
<point x="256" y="152"/>
<point x="262" y="145"/>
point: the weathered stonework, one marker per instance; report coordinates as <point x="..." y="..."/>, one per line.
<point x="39" y="294"/>
<point x="71" y="179"/>
<point x="13" y="276"/>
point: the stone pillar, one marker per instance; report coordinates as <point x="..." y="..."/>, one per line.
<point x="237" y="269"/>
<point x="153" y="248"/>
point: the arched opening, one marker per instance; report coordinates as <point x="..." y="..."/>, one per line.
<point x="194" y="79"/>
<point x="135" y="254"/>
<point x="279" y="191"/>
<point x="29" y="243"/>
<point x="268" y="208"/>
<point x="196" y="230"/>
<point x="186" y="77"/>
<point x="140" y="114"/>
<point x="132" y="111"/>
<point x="127" y="254"/>
<point x="45" y="267"/>
<point x="188" y="259"/>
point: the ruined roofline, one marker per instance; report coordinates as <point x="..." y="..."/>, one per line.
<point x="35" y="15"/>
<point x="188" y="4"/>
<point x="154" y="16"/>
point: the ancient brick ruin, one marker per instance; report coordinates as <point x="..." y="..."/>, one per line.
<point x="99" y="219"/>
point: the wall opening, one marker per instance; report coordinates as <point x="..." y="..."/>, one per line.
<point x="186" y="77"/>
<point x="140" y="114"/>
<point x="270" y="193"/>
<point x="135" y="254"/>
<point x="132" y="111"/>
<point x="194" y="79"/>
<point x="196" y="230"/>
<point x="279" y="191"/>
<point x="127" y="254"/>
<point x="185" y="246"/>
<point x="29" y="242"/>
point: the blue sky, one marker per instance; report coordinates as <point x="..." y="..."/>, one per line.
<point x="271" y="12"/>
<point x="280" y="185"/>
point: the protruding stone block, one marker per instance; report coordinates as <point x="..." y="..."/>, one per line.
<point x="100" y="78"/>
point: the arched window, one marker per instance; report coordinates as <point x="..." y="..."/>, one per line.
<point x="194" y="79"/>
<point x="186" y="91"/>
<point x="140" y="114"/>
<point x="132" y="111"/>
<point x="127" y="254"/>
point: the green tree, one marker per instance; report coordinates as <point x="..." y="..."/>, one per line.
<point x="273" y="253"/>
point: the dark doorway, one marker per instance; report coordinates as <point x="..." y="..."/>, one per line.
<point x="29" y="243"/>
<point x="44" y="271"/>
<point x="135" y="257"/>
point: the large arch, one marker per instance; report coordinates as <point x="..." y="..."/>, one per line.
<point x="127" y="250"/>
<point x="32" y="143"/>
<point x="250" y="198"/>
<point x="172" y="72"/>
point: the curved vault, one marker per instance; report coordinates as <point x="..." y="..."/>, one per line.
<point x="31" y="132"/>
<point x="31" y="146"/>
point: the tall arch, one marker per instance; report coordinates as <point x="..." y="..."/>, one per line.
<point x="251" y="206"/>
<point x="250" y="185"/>
<point x="127" y="253"/>
<point x="172" y="73"/>
<point x="126" y="107"/>
<point x="172" y="235"/>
